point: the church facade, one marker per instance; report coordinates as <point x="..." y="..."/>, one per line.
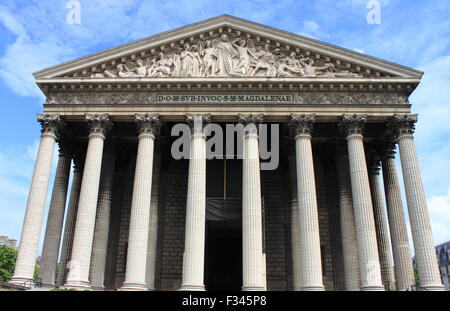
<point x="228" y="155"/>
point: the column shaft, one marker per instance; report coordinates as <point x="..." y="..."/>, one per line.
<point x="194" y="245"/>
<point x="84" y="229"/>
<point x="404" y="274"/>
<point x="348" y="227"/>
<point x="369" y="263"/>
<point x="135" y="275"/>
<point x="52" y="240"/>
<point x="69" y="227"/>
<point x="384" y="245"/>
<point x="101" y="232"/>
<point x="31" y="230"/>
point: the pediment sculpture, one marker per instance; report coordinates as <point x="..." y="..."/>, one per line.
<point x="222" y="57"/>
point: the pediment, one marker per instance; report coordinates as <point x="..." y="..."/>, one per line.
<point x="222" y="48"/>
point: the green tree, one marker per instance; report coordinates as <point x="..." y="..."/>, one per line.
<point x="8" y="257"/>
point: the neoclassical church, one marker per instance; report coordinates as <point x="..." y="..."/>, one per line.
<point x="326" y="215"/>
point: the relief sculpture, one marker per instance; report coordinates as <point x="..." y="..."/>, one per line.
<point x="225" y="57"/>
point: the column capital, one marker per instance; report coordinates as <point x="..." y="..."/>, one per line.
<point x="302" y="124"/>
<point x="147" y="124"/>
<point x="52" y="124"/>
<point x="99" y="124"/>
<point x="252" y="121"/>
<point x="388" y="150"/>
<point x="352" y="124"/>
<point x="197" y="122"/>
<point x="403" y="124"/>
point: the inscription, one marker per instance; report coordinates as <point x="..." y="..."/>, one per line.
<point x="225" y="98"/>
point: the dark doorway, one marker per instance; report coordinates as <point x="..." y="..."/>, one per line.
<point x="223" y="257"/>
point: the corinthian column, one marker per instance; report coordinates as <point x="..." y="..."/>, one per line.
<point x="310" y="257"/>
<point x="52" y="240"/>
<point x="348" y="227"/>
<point x="84" y="229"/>
<point x="384" y="245"/>
<point x="403" y="268"/>
<point x="417" y="206"/>
<point x="135" y="277"/>
<point x="101" y="232"/>
<point x="295" y="220"/>
<point x="71" y="217"/>
<point x="252" y="237"/>
<point x="31" y="230"/>
<point x="194" y="242"/>
<point x="369" y="264"/>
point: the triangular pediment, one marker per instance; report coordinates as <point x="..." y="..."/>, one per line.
<point x="227" y="47"/>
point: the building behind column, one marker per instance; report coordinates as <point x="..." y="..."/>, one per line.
<point x="300" y="192"/>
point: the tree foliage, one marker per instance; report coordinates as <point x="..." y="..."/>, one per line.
<point x="8" y="257"/>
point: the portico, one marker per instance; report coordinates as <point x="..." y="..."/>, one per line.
<point x="139" y="218"/>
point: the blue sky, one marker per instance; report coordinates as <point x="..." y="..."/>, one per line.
<point x="34" y="35"/>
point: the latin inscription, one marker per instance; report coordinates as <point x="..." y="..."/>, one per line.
<point x="227" y="99"/>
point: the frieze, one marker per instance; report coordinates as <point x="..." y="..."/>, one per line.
<point x="305" y="98"/>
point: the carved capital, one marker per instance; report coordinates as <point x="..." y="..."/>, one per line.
<point x="403" y="124"/>
<point x="148" y="124"/>
<point x="52" y="124"/>
<point x="250" y="122"/>
<point x="302" y="124"/>
<point x="197" y="122"/>
<point x="98" y="123"/>
<point x="352" y="124"/>
<point x="79" y="157"/>
<point x="66" y="145"/>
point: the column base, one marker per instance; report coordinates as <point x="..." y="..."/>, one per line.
<point x="78" y="285"/>
<point x="25" y="282"/>
<point x="98" y="288"/>
<point x="130" y="286"/>
<point x="192" y="288"/>
<point x="432" y="288"/>
<point x="372" y="288"/>
<point x="253" y="288"/>
<point x="313" y="288"/>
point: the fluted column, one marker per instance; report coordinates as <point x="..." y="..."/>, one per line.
<point x="310" y="256"/>
<point x="295" y="220"/>
<point x="347" y="217"/>
<point x="52" y="240"/>
<point x="71" y="217"/>
<point x="153" y="220"/>
<point x="417" y="206"/>
<point x="403" y="268"/>
<point x="369" y="263"/>
<point x="252" y="237"/>
<point x="384" y="245"/>
<point x="194" y="242"/>
<point x="135" y="275"/>
<point x="34" y="213"/>
<point x="84" y="229"/>
<point x="101" y="232"/>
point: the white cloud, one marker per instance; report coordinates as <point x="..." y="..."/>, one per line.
<point x="439" y="207"/>
<point x="313" y="30"/>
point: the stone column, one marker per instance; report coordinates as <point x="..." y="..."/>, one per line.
<point x="369" y="263"/>
<point x="101" y="232"/>
<point x="384" y="245"/>
<point x="153" y="221"/>
<point x="310" y="256"/>
<point x="135" y="275"/>
<point x="84" y="229"/>
<point x="403" y="268"/>
<point x="417" y="206"/>
<point x="295" y="220"/>
<point x="52" y="240"/>
<point x="252" y="236"/>
<point x="31" y="230"/>
<point x="194" y="243"/>
<point x="348" y="227"/>
<point x="71" y="217"/>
